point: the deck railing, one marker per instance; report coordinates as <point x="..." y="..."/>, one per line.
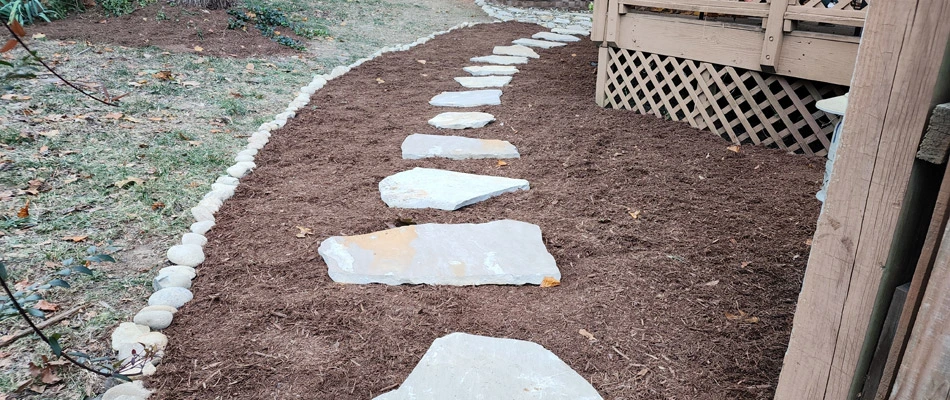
<point x="805" y="40"/>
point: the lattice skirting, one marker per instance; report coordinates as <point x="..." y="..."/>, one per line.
<point x="739" y="105"/>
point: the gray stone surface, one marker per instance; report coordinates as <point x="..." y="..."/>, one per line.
<point x="419" y="146"/>
<point x="936" y="141"/>
<point x="470" y="98"/>
<point x="179" y="269"/>
<point x="461" y="120"/>
<point x="555" y="37"/>
<point x="130" y="389"/>
<point x="172" y="279"/>
<point x="483" y="70"/>
<point x="127" y="332"/>
<point x="565" y="31"/>
<point x="500" y="60"/>
<point x="468" y="367"/>
<point x="444" y="190"/>
<point x="544" y="44"/>
<point x="502" y="252"/>
<point x="480" y="82"/>
<point x="172" y="297"/>
<point x="515" y="50"/>
<point x="154" y="319"/>
<point x="186" y="254"/>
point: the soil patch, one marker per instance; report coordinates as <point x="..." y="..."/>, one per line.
<point x="169" y="27"/>
<point x="691" y="299"/>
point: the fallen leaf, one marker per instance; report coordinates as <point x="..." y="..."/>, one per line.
<point x="155" y="119"/>
<point x="52" y="133"/>
<point x="502" y="163"/>
<point x="249" y="67"/>
<point x="751" y="320"/>
<point x="130" y="119"/>
<point x="46" y="306"/>
<point x="550" y="282"/>
<point x="303" y="232"/>
<point x="588" y="335"/>
<point x="380" y="80"/>
<point x="129" y="180"/>
<point x="49" y="377"/>
<point x="733" y="148"/>
<point x="745" y="264"/>
<point x="163" y="75"/>
<point x="712" y="283"/>
<point x="421" y="62"/>
<point x="158" y="205"/>
<point x="113" y="115"/>
<point x="9" y="45"/>
<point x="634" y="214"/>
<point x="190" y="83"/>
<point x="39" y="36"/>
<point x="21" y="285"/>
<point x="6" y="194"/>
<point x="199" y="49"/>
<point x="807" y="242"/>
<point x="75" y="239"/>
<point x="643" y="372"/>
<point x="24" y="211"/>
<point x="732" y="317"/>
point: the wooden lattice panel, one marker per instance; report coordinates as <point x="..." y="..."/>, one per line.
<point x="741" y="106"/>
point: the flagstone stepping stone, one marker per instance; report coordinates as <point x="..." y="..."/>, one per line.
<point x="565" y="31"/>
<point x="418" y="146"/>
<point x="478" y="82"/>
<point x="515" y="50"/>
<point x="555" y="37"/>
<point x="502" y="252"/>
<point x="461" y="120"/>
<point x="471" y="98"/>
<point x="483" y="70"/>
<point x="544" y="44"/>
<point x="443" y="190"/>
<point x="501" y="60"/>
<point x="464" y="366"/>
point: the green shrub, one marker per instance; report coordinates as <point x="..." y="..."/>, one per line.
<point x="25" y="11"/>
<point x="121" y="7"/>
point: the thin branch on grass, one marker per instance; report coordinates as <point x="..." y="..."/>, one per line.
<point x="108" y="102"/>
<point x="13" y="337"/>
<point x="40" y="333"/>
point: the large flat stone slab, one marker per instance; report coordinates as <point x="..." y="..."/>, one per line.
<point x="418" y="146"/>
<point x="461" y="120"/>
<point x="502" y="252"/>
<point x="515" y="50"/>
<point x="544" y="44"/>
<point x="483" y="70"/>
<point x="470" y="98"/>
<point x="566" y="31"/>
<point x="500" y="60"/>
<point x="444" y="190"/>
<point x="555" y="37"/>
<point x="469" y="367"/>
<point x="479" y="82"/>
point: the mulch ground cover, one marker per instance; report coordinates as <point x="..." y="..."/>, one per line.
<point x="682" y="260"/>
<point x="169" y="27"/>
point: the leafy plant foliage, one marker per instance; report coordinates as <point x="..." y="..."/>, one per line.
<point x="267" y="21"/>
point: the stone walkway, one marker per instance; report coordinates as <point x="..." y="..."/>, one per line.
<point x="502" y="252"/>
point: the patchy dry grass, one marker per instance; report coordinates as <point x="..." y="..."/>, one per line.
<point x="127" y="176"/>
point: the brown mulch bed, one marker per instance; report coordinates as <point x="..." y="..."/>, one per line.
<point x="183" y="29"/>
<point x="693" y="299"/>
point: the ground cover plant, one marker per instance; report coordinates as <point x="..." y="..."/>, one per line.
<point x="124" y="177"/>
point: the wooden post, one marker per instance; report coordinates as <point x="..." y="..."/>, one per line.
<point x="774" y="34"/>
<point x="898" y="62"/>
<point x="599" y="25"/>
<point x="603" y="58"/>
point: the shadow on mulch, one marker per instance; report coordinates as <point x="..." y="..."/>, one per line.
<point x="693" y="299"/>
<point x="169" y="27"/>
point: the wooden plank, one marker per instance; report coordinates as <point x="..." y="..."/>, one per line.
<point x="925" y="371"/>
<point x="731" y="8"/>
<point x="612" y="24"/>
<point x="603" y="58"/>
<point x="827" y="16"/>
<point x="820" y="59"/>
<point x="882" y="129"/>
<point x="774" y="34"/>
<point x="928" y="256"/>
<point x="876" y="370"/>
<point x="599" y="24"/>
